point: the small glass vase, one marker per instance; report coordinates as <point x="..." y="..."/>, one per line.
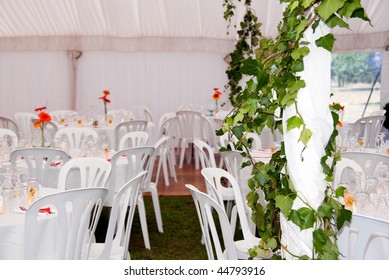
<point x="41" y="137"/>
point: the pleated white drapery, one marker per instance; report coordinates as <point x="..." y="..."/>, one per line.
<point x="304" y="167"/>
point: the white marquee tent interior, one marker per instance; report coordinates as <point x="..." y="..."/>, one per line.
<point x="158" y="54"/>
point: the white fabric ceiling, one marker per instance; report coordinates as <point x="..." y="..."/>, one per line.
<point x="155" y="25"/>
<point x="161" y="54"/>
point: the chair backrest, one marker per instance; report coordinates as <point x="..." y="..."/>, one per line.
<point x="75" y="135"/>
<point x="163" y="122"/>
<point x="10" y="136"/>
<point x="206" y="206"/>
<point x="188" y="120"/>
<point x="64" y="116"/>
<point x="148" y="115"/>
<point x="169" y="127"/>
<point x="228" y="140"/>
<point x="345" y="170"/>
<point x="209" y="133"/>
<point x="128" y="162"/>
<point x="23" y="119"/>
<point x="84" y="172"/>
<point x="133" y="139"/>
<point x="10" y="124"/>
<point x="368" y="129"/>
<point x="355" y="237"/>
<point x="39" y="162"/>
<point x="128" y="126"/>
<point x="215" y="178"/>
<point x="121" y="217"/>
<point x="207" y="157"/>
<point x="75" y="217"/>
<point x="368" y="161"/>
<point x="233" y="161"/>
<point x="255" y="139"/>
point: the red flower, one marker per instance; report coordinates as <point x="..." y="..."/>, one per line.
<point x="43" y="117"/>
<point x="40" y="109"/>
<point x="105" y="99"/>
<point x="217" y="94"/>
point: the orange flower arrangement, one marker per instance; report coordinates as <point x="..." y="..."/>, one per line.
<point x="349" y="200"/>
<point x="40" y="123"/>
<point x="216" y="96"/>
<point x="105" y="100"/>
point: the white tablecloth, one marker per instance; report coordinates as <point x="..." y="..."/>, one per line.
<point x="12" y="234"/>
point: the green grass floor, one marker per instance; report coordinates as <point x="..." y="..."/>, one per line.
<point x="181" y="239"/>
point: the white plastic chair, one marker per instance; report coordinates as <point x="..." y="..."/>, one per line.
<point x="368" y="161"/>
<point x="10" y="124"/>
<point x="162" y="155"/>
<point x="368" y="129"/>
<point x="356" y="238"/>
<point x="206" y="206"/>
<point x="23" y="119"/>
<point x="39" y="161"/>
<point x="84" y="172"/>
<point x="11" y="137"/>
<point x="214" y="178"/>
<point x="148" y="115"/>
<point x="133" y="139"/>
<point x="132" y="160"/>
<point x="189" y="122"/>
<point x="169" y="127"/>
<point x="120" y="222"/>
<point x="206" y="154"/>
<point x="76" y="213"/>
<point x="76" y="135"/>
<point x="128" y="126"/>
<point x="152" y="186"/>
<point x="345" y="171"/>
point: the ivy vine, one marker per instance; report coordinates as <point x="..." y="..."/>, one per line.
<point x="273" y="86"/>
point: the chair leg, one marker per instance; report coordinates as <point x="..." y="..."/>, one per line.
<point x="172" y="167"/>
<point x="143" y="222"/>
<point x="165" y="170"/>
<point x="157" y="208"/>
<point x="182" y="153"/>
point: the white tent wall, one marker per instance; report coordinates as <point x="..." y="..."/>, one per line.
<point x="160" y="81"/>
<point x="33" y="79"/>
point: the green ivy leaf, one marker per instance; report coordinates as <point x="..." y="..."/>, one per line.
<point x="301" y="27"/>
<point x="304" y="217"/>
<point x="262" y="78"/>
<point x="285" y="203"/>
<point x="294" y="122"/>
<point x="305" y="136"/>
<point x="297" y="66"/>
<point x="334" y="20"/>
<point x="339" y="192"/>
<point x="344" y="216"/>
<point x="360" y="13"/>
<point x="297" y="53"/>
<point x="295" y="86"/>
<point x="326" y="42"/>
<point x="328" y="7"/>
<point x="306" y="3"/>
<point x="251" y="67"/>
<point x="349" y="8"/>
<point x="325" y="210"/>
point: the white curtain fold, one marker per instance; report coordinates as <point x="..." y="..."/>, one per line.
<point x="305" y="168"/>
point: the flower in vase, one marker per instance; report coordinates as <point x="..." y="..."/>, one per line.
<point x="216" y="96"/>
<point x="105" y="100"/>
<point x="40" y="123"/>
